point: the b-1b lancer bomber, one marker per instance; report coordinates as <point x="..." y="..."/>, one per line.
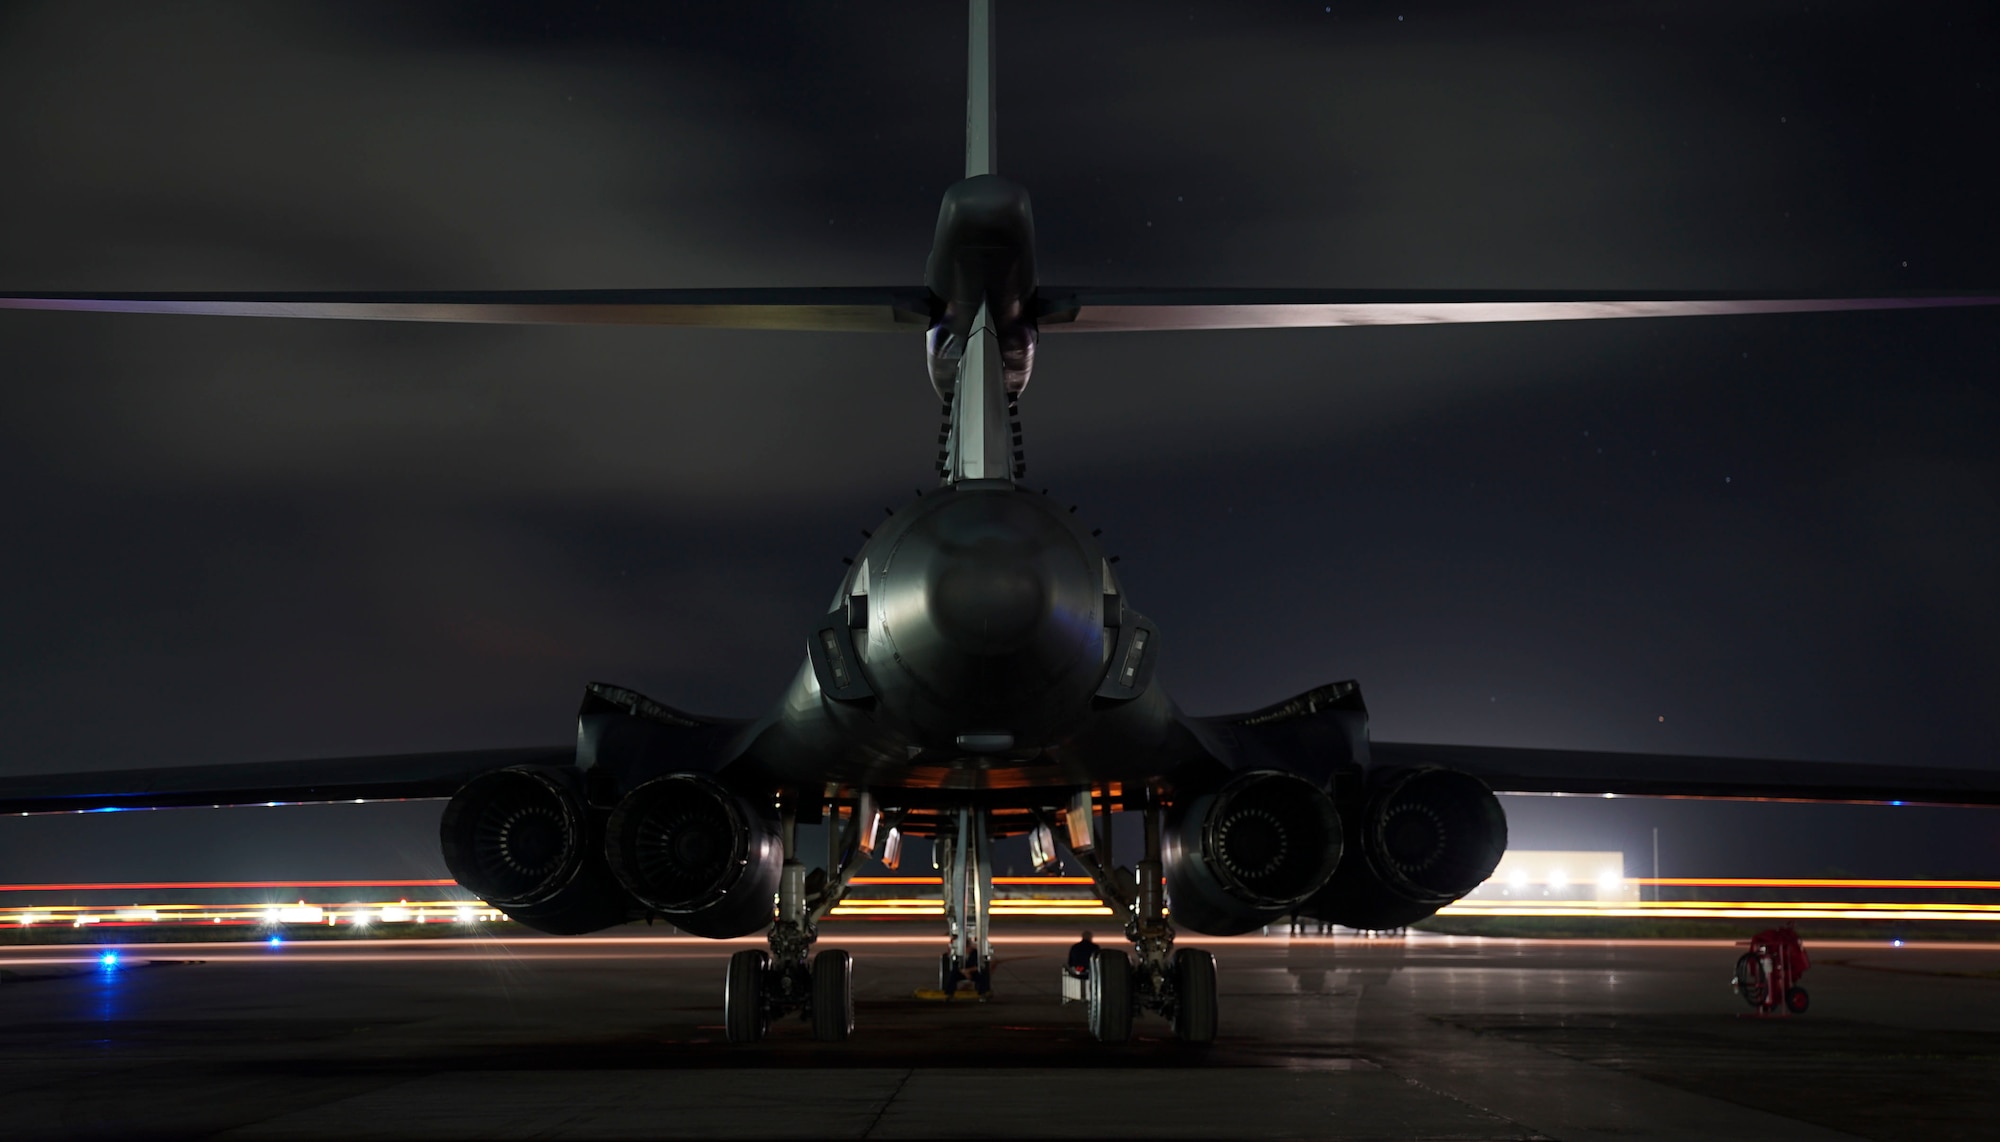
<point x="979" y="673"/>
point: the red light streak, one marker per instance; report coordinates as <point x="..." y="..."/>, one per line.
<point x="169" y="885"/>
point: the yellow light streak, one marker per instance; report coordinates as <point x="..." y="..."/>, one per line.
<point x="1735" y="910"/>
<point x="921" y="906"/>
<point x="288" y="915"/>
<point x="1808" y="882"/>
<point x="361" y="914"/>
<point x="1726" y="914"/>
<point x="1649" y="907"/>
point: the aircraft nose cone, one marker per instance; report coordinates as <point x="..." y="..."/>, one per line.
<point x="988" y="600"/>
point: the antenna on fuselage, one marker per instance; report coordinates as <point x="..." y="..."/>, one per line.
<point x="979" y="443"/>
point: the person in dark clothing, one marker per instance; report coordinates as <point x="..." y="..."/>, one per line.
<point x="1079" y="955"/>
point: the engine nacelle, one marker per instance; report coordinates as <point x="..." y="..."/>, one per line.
<point x="697" y="854"/>
<point x="523" y="841"/>
<point x="1426" y="838"/>
<point x="1252" y="851"/>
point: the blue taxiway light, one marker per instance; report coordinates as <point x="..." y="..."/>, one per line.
<point x="275" y="941"/>
<point x="108" y="960"/>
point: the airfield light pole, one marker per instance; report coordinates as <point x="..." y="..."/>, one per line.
<point x="1656" y="864"/>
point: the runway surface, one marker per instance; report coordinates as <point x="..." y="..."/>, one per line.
<point x="1344" y="1038"/>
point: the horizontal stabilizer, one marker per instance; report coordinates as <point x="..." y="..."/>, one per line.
<point x="398" y="777"/>
<point x="1720" y="778"/>
<point x="1139" y="310"/>
<point x="866" y="309"/>
<point x="871" y="309"/>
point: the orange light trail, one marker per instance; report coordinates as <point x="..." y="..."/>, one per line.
<point x="863" y="881"/>
<point x="1743" y="910"/>
<point x="171" y="885"/>
<point x="917" y="906"/>
<point x="1081" y="881"/>
<point x="1808" y="882"/>
<point x="391" y="913"/>
<point x="483" y="948"/>
<point x="276" y="916"/>
<point x="1063" y="901"/>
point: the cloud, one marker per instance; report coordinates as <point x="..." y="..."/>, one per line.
<point x="253" y="146"/>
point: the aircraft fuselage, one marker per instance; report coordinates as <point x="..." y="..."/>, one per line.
<point x="980" y="640"/>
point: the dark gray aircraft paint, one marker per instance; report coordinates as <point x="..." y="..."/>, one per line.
<point x="980" y="672"/>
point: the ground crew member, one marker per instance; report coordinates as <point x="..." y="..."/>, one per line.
<point x="1079" y="955"/>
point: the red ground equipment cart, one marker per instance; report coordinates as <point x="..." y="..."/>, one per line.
<point x="1767" y="976"/>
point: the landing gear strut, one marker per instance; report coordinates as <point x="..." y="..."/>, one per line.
<point x="1176" y="984"/>
<point x="764" y="986"/>
<point x="965" y="864"/>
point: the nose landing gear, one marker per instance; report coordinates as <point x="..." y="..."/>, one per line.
<point x="965" y="864"/>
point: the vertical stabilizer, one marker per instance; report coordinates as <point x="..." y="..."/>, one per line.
<point x="985" y="240"/>
<point x="981" y="426"/>
<point x="981" y="153"/>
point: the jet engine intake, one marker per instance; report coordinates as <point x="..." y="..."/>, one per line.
<point x="1427" y="837"/>
<point x="1250" y="852"/>
<point x="696" y="853"/>
<point x="522" y="840"/>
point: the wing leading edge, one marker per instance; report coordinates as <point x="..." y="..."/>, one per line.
<point x="1581" y="772"/>
<point x="397" y="777"/>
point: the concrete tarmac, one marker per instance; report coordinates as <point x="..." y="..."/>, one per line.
<point x="1347" y="1038"/>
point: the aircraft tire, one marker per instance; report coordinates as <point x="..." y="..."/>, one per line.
<point x="948" y="978"/>
<point x="1194" y="996"/>
<point x="1796" y="1000"/>
<point x="1108" y="996"/>
<point x="743" y="1014"/>
<point x="833" y="996"/>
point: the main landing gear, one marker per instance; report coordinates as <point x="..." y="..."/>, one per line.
<point x="1176" y="984"/>
<point x="763" y="986"/>
<point x="757" y="991"/>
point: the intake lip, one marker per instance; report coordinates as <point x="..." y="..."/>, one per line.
<point x="516" y="837"/>
<point x="1434" y="835"/>
<point x="1250" y="852"/>
<point x="692" y="850"/>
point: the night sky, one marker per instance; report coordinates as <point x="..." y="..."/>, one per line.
<point x="231" y="540"/>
